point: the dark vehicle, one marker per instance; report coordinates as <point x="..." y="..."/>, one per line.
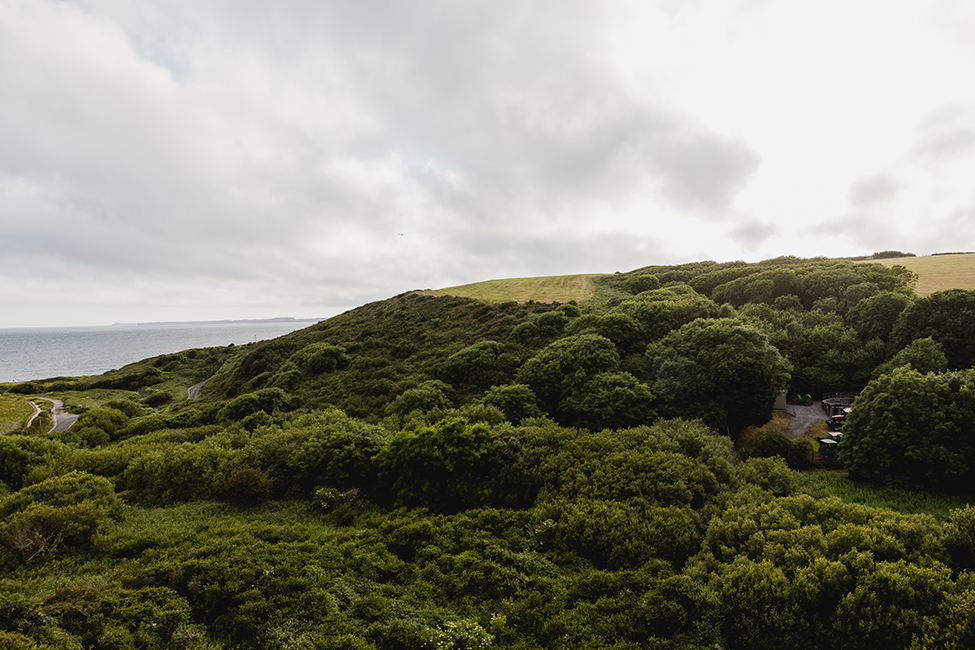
<point x="835" y="422"/>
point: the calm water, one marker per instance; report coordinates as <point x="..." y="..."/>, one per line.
<point x="41" y="353"/>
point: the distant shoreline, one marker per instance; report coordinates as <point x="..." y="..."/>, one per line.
<point x="240" y="321"/>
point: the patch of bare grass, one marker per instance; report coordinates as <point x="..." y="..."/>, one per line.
<point x="938" y="272"/>
<point x="556" y="288"/>
<point x="779" y="422"/>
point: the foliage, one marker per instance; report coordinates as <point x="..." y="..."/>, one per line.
<point x="60" y="512"/>
<point x="443" y="467"/>
<point x="924" y="355"/>
<point x="268" y="400"/>
<point x="946" y="317"/>
<point x="720" y="370"/>
<point x="564" y="368"/>
<point x="20" y="454"/>
<point x="609" y="400"/>
<point x="479" y="365"/>
<point x="767" y="444"/>
<point x="272" y="512"/>
<point x="430" y="395"/>
<point x="516" y="401"/>
<point x="914" y="428"/>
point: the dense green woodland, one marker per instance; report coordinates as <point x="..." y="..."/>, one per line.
<point x="434" y="472"/>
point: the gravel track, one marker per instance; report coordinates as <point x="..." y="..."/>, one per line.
<point x="803" y="417"/>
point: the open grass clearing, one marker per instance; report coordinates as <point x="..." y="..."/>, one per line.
<point x="938" y="272"/>
<point x="15" y="410"/>
<point x="183" y="517"/>
<point x="906" y="501"/>
<point x="555" y="288"/>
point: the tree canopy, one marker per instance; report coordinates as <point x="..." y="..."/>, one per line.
<point x="723" y="370"/>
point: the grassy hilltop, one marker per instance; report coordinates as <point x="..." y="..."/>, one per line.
<point x="939" y="272"/>
<point x="585" y="461"/>
<point x="935" y="273"/>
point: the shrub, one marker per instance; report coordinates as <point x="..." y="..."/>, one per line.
<point x="766" y="444"/>
<point x="640" y="283"/>
<point x="62" y="511"/>
<point x="443" y="467"/>
<point x="516" y="401"/>
<point x="266" y="399"/>
<point x="427" y="396"/>
<point x="771" y="474"/>
<point x="320" y="358"/>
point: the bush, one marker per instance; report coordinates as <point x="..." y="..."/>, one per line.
<point x="112" y="421"/>
<point x="248" y="486"/>
<point x="640" y="283"/>
<point x="427" y="396"/>
<point x="62" y="511"/>
<point x="443" y="467"/>
<point x="516" y="401"/>
<point x="768" y="444"/>
<point x="772" y="474"/>
<point x="320" y="358"/>
<point x="268" y="400"/>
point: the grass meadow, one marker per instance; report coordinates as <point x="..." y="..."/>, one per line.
<point x="15" y="410"/>
<point x="556" y="288"/>
<point x="906" y="501"/>
<point x="938" y="272"/>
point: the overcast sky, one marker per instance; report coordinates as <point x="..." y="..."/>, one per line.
<point x="210" y="159"/>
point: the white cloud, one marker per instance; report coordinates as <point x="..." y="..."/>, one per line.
<point x="207" y="156"/>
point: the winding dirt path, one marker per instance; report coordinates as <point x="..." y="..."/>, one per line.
<point x="37" y="411"/>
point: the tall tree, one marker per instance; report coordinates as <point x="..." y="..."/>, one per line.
<point x="945" y="316"/>
<point x="723" y="371"/>
<point x="914" y="428"/>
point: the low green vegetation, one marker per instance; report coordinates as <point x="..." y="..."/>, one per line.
<point x="15" y="411"/>
<point x="879" y="495"/>
<point x="440" y="471"/>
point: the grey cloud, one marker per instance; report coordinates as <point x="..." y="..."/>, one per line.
<point x="750" y="235"/>
<point x="873" y="191"/>
<point x="555" y="254"/>
<point x="281" y="145"/>
<point x="522" y="103"/>
<point x="946" y="145"/>
<point x="946" y="134"/>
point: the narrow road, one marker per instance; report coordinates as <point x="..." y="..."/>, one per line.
<point x="62" y="421"/>
<point x="194" y="390"/>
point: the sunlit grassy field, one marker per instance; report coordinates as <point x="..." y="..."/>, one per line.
<point x="556" y="288"/>
<point x="939" y="272"/>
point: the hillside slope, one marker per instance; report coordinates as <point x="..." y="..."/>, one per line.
<point x="938" y="272"/>
<point x="556" y="288"/>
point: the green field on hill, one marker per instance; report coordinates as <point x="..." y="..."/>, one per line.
<point x="556" y="288"/>
<point x="938" y="272"/>
<point x="935" y="273"/>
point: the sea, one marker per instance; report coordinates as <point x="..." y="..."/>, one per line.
<point x="44" y="352"/>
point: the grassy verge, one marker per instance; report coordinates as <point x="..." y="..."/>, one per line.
<point x="15" y="410"/>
